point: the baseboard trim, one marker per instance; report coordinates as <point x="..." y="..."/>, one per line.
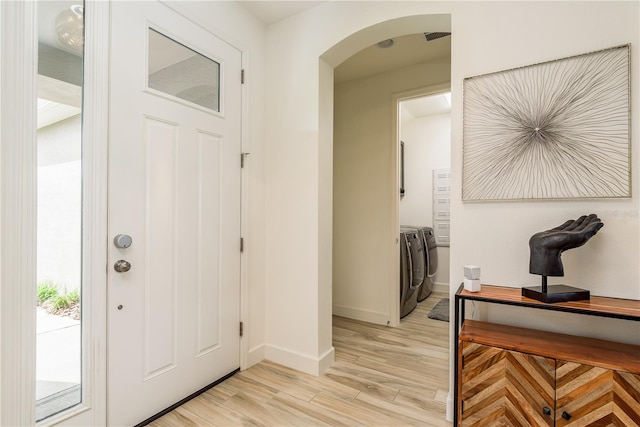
<point x="326" y="361"/>
<point x="450" y="408"/>
<point x="441" y="287"/>
<point x="255" y="356"/>
<point x="300" y="362"/>
<point x="362" y="315"/>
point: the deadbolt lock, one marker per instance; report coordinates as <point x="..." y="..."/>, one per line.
<point x="122" y="241"/>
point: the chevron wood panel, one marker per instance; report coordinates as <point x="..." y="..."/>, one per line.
<point x="505" y="388"/>
<point x="594" y="396"/>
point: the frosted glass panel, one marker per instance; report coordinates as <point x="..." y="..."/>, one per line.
<point x="178" y="71"/>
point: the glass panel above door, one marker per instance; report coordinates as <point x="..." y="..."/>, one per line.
<point x="181" y="72"/>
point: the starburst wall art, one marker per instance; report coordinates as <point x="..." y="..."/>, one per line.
<point x="555" y="130"/>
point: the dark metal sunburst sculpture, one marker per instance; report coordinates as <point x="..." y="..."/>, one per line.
<point x="554" y="130"/>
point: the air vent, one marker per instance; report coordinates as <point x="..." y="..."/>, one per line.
<point x="434" y="36"/>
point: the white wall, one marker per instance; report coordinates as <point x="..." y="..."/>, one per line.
<point x="487" y="36"/>
<point x="427" y="146"/>
<point x="59" y="204"/>
<point x="495" y="235"/>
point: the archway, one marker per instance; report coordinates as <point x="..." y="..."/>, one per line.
<point x="374" y="254"/>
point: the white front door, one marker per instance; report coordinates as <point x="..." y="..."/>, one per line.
<point x="174" y="188"/>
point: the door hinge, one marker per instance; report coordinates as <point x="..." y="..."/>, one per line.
<point x="241" y="244"/>
<point x="242" y="76"/>
<point x="241" y="328"/>
<point x="243" y="156"/>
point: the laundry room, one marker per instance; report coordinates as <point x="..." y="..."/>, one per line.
<point x="425" y="184"/>
<point x="368" y="90"/>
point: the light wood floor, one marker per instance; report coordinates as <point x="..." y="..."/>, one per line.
<point x="382" y="377"/>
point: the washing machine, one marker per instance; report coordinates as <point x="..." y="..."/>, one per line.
<point x="412" y="268"/>
<point x="430" y="260"/>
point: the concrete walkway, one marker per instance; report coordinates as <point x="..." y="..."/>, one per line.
<point x="58" y="367"/>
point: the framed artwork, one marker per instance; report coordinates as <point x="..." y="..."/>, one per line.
<point x="555" y="130"/>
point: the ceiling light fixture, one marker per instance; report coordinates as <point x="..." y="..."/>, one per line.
<point x="385" y="43"/>
<point x="70" y="27"/>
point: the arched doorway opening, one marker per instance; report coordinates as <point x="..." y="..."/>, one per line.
<point x="365" y="206"/>
<point x="373" y="255"/>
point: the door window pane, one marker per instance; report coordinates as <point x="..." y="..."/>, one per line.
<point x="59" y="206"/>
<point x="178" y="71"/>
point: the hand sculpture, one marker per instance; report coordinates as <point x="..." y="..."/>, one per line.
<point x="547" y="246"/>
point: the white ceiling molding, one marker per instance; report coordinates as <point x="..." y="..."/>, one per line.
<point x="50" y="112"/>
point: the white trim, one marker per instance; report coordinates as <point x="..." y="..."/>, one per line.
<point x="245" y="356"/>
<point x="394" y="239"/>
<point x="254" y="356"/>
<point x="18" y="212"/>
<point x="369" y="316"/>
<point x="326" y="360"/>
<point x="444" y="288"/>
<point x="299" y="361"/>
<point x="450" y="408"/>
<point x="95" y="154"/>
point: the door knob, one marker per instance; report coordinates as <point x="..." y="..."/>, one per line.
<point x="122" y="266"/>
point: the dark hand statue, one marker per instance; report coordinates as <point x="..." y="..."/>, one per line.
<point x="547" y="246"/>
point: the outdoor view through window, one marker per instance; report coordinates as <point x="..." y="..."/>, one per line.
<point x="59" y="206"/>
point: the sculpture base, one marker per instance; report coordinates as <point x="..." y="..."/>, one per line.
<point x="556" y="293"/>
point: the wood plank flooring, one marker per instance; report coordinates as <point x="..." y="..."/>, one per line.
<point x="382" y="377"/>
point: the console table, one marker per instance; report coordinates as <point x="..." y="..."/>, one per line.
<point x="538" y="369"/>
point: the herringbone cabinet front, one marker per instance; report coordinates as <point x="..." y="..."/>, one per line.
<point x="593" y="383"/>
<point x="591" y="396"/>
<point x="501" y="387"/>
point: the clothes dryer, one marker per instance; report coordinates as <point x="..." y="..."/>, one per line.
<point x="412" y="269"/>
<point x="431" y="261"/>
<point x="430" y="258"/>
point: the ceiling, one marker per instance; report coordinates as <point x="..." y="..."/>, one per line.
<point x="406" y="50"/>
<point x="268" y="11"/>
<point x="425" y="106"/>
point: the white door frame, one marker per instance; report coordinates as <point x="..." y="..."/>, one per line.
<point x="18" y="49"/>
<point x="18" y="77"/>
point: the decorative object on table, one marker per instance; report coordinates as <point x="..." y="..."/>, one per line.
<point x="546" y="249"/>
<point x="472" y="278"/>
<point x="555" y="130"/>
<point x="440" y="311"/>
